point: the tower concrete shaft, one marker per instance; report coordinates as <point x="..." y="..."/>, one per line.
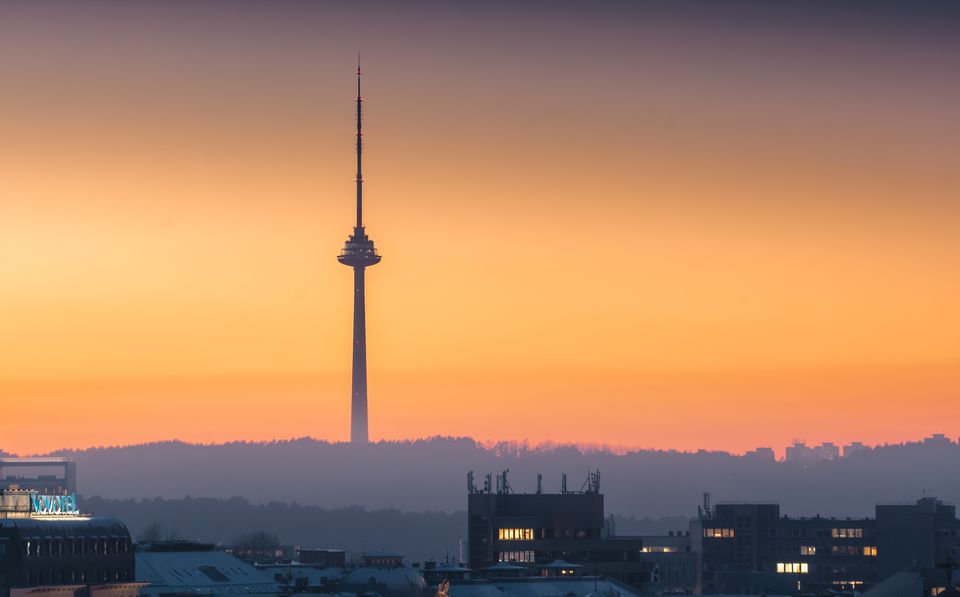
<point x="359" y="426"/>
<point x="359" y="253"/>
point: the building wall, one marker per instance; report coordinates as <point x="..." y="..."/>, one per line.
<point x="68" y="552"/>
<point x="535" y="529"/>
<point x="918" y="535"/>
<point x="750" y="548"/>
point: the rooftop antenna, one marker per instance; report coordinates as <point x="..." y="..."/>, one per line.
<point x="592" y="483"/>
<point x="487" y="482"/>
<point x="471" y="489"/>
<point x="503" y="486"/>
<point x="539" y="483"/>
<point x="563" y="483"/>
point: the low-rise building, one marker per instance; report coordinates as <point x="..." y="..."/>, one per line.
<point x="48" y="545"/>
<point x="182" y="568"/>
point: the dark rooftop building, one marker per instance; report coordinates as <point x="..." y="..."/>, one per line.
<point x="185" y="568"/>
<point x="531" y="531"/>
<point x="48" y="552"/>
<point x="750" y="548"/>
<point x="322" y="558"/>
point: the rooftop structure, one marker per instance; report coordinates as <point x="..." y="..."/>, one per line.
<point x="552" y="586"/>
<point x="182" y="568"/>
<point x="50" y="475"/>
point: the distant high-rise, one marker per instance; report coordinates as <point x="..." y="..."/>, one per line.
<point x="359" y="253"/>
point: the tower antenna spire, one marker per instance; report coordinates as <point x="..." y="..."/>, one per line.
<point x="359" y="254"/>
<point x="359" y="149"/>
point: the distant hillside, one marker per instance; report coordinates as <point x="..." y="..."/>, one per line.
<point x="417" y="535"/>
<point x="430" y="475"/>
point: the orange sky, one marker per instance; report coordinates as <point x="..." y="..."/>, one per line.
<point x="688" y="238"/>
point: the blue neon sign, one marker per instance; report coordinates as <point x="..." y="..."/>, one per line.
<point x="57" y="505"/>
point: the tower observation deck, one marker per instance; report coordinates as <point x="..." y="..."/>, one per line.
<point x="359" y="253"/>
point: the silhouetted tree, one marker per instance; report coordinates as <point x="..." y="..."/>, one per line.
<point x="258" y="546"/>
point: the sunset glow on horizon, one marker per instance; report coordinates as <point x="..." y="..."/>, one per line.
<point x="637" y="229"/>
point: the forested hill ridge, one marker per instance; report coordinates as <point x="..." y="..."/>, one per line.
<point x="417" y="535"/>
<point x="430" y="475"/>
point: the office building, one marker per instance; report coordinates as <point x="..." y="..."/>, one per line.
<point x="529" y="531"/>
<point x="750" y="548"/>
<point x="47" y="545"/>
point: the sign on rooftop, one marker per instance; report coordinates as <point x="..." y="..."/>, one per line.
<point x="54" y="505"/>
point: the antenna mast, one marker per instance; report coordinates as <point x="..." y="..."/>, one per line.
<point x="359" y="149"/>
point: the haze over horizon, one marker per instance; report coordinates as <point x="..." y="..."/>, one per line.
<point x="494" y="445"/>
<point x="642" y="225"/>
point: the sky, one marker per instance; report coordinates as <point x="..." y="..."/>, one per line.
<point x="648" y="224"/>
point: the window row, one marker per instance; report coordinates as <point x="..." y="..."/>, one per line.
<point x="516" y="556"/>
<point x="515" y="534"/>
<point x="853" y="550"/>
<point x="793" y="567"/>
<point x="841" y="550"/>
<point x="52" y="577"/>
<point x="76" y="547"/>
<point x="725" y="533"/>
<point x="847" y="533"/>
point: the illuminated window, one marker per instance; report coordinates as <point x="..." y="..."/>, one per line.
<point x="793" y="567"/>
<point x="847" y="533"/>
<point x="515" y="534"/>
<point x="718" y="533"/>
<point x="658" y="549"/>
<point x="869" y="550"/>
<point x="808" y="550"/>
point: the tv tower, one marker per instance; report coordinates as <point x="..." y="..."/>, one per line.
<point x="359" y="253"/>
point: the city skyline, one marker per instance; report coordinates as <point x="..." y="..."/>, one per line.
<point x="671" y="230"/>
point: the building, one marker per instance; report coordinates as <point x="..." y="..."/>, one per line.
<point x="804" y="455"/>
<point x="854" y="448"/>
<point x="47" y="475"/>
<point x="539" y="586"/>
<point x="383" y="573"/>
<point x="322" y="558"/>
<point x="750" y="548"/>
<point x="760" y="455"/>
<point x="531" y="530"/>
<point x="675" y="562"/>
<point x="434" y="573"/>
<point x="48" y="546"/>
<point x="359" y="253"/>
<point x="381" y="559"/>
<point x="921" y="536"/>
<point x="183" y="568"/>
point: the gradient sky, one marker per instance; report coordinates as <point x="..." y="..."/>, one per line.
<point x="672" y="224"/>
